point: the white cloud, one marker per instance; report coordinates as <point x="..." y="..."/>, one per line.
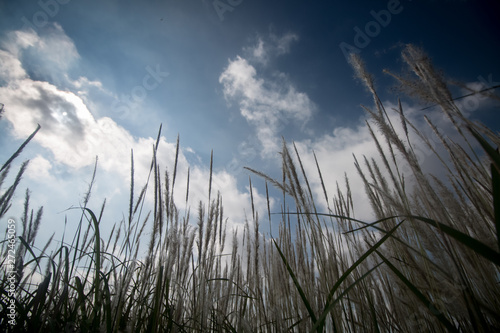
<point x="19" y="40"/>
<point x="50" y="54"/>
<point x="57" y="49"/>
<point x="39" y="168"/>
<point x="258" y="51"/>
<point x="270" y="47"/>
<point x="283" y="43"/>
<point x="69" y="130"/>
<point x="84" y="82"/>
<point x="266" y="105"/>
<point x="10" y="67"/>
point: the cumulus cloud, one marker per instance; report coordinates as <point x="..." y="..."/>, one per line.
<point x="69" y="130"/>
<point x="268" y="105"/>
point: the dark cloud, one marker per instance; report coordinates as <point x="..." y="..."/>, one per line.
<point x="55" y="113"/>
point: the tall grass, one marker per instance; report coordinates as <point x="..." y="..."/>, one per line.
<point x="430" y="261"/>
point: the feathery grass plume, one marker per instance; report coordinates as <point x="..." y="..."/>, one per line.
<point x="431" y="86"/>
<point x="421" y="65"/>
<point x="3" y="175"/>
<point x="363" y="75"/>
<point x="5" y="199"/>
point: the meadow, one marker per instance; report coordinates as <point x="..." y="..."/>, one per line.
<point x="428" y="262"/>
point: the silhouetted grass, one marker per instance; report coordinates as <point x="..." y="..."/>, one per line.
<point x="430" y="261"/>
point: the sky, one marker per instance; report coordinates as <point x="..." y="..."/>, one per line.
<point x="232" y="76"/>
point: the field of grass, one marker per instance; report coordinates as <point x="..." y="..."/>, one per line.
<point x="428" y="263"/>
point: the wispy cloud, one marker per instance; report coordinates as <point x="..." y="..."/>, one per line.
<point x="270" y="47"/>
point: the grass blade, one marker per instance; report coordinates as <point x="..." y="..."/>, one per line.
<point x="28" y="247"/>
<point x="472" y="243"/>
<point x="492" y="152"/>
<point x="297" y="285"/>
<point x="329" y="304"/>
<point x="495" y="185"/>
<point x="97" y="258"/>
<point x="419" y="295"/>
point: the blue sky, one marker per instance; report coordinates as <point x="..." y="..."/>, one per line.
<point x="230" y="75"/>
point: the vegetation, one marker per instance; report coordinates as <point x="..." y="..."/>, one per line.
<point x="430" y="262"/>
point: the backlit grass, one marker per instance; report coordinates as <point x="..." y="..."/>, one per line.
<point x="429" y="260"/>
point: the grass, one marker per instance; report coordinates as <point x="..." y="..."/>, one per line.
<point x="430" y="261"/>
